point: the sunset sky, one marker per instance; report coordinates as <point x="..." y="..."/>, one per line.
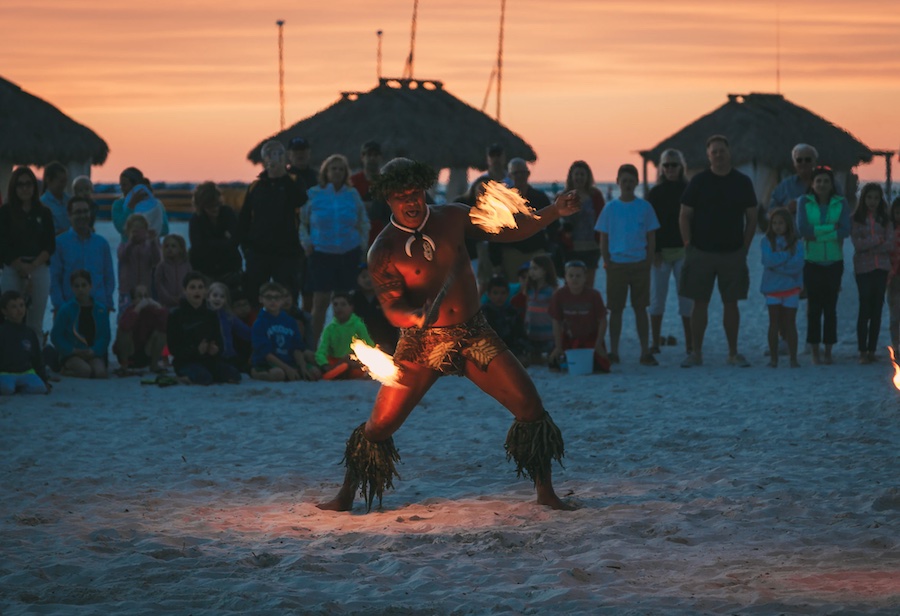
<point x="183" y="89"/>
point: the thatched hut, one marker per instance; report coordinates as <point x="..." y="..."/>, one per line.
<point x="762" y="129"/>
<point x="33" y="132"/>
<point x="408" y="117"/>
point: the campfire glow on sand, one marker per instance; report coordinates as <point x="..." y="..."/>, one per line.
<point x="496" y="208"/>
<point x="378" y="364"/>
<point x="895" y="367"/>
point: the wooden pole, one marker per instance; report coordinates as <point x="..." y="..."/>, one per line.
<point x="378" y="57"/>
<point x="500" y="57"/>
<point x="280" y="24"/>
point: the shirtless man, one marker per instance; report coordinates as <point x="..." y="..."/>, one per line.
<point x="443" y="332"/>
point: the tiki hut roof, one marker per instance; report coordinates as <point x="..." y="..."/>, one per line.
<point x="763" y="128"/>
<point x="414" y="118"/>
<point x="34" y="132"/>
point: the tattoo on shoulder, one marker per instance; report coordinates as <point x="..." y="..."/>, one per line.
<point x="388" y="282"/>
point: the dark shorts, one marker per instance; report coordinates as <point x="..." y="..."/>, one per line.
<point x="447" y="349"/>
<point x="620" y="277"/>
<point x="328" y="272"/>
<point x="702" y="270"/>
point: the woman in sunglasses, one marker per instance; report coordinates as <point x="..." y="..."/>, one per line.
<point x="27" y="240"/>
<point x="665" y="198"/>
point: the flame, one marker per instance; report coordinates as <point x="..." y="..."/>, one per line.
<point x="496" y="208"/>
<point x="377" y="363"/>
<point x="896" y="368"/>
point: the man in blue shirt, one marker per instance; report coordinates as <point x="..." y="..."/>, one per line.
<point x="81" y="248"/>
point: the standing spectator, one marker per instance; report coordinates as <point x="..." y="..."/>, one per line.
<point x="138" y="199"/>
<point x="84" y="188"/>
<point x="506" y="258"/>
<point x="823" y="219"/>
<point x="577" y="239"/>
<point x="334" y="231"/>
<point x="791" y="189"/>
<point x="717" y="221"/>
<point x="81" y="331"/>
<point x="376" y="206"/>
<point x="168" y="277"/>
<point x="665" y="198"/>
<point x="627" y="227"/>
<point x="213" y="230"/>
<point x="138" y="257"/>
<point x="268" y="224"/>
<point x="27" y="242"/>
<point x="782" y="258"/>
<point x="496" y="172"/>
<point x="894" y="279"/>
<point x="299" y="156"/>
<point x="54" y="196"/>
<point x="80" y="248"/>
<point x="873" y="242"/>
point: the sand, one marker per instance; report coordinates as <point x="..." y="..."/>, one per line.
<point x="713" y="490"/>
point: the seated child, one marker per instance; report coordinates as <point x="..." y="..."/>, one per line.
<point x="506" y="320"/>
<point x="233" y="329"/>
<point x="169" y="273"/>
<point x="81" y="332"/>
<point x="21" y="363"/>
<point x="333" y="354"/>
<point x="141" y="337"/>
<point x="579" y="318"/>
<point x="279" y="350"/>
<point x="366" y="305"/>
<point x="138" y="255"/>
<point x="195" y="338"/>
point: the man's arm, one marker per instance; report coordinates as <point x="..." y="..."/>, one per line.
<point x="390" y="287"/>
<point x="749" y="226"/>
<point x="565" y="204"/>
<point x="684" y="223"/>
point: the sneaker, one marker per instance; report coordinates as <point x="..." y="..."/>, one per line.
<point x="692" y="360"/>
<point x="738" y="360"/>
<point x="649" y="360"/>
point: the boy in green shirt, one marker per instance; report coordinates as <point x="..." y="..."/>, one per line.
<point x="333" y="353"/>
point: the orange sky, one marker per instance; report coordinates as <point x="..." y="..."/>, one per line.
<point x="183" y="89"/>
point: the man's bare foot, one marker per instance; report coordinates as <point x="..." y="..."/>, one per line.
<point x="547" y="496"/>
<point x="342" y="502"/>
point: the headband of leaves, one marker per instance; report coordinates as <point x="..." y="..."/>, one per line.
<point x="403" y="174"/>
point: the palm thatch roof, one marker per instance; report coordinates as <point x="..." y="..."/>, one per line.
<point x="34" y="132"/>
<point x="762" y="129"/>
<point x="408" y="117"/>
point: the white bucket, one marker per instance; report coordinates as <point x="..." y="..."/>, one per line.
<point x="580" y="361"/>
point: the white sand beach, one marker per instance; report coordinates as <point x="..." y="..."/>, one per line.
<point x="711" y="490"/>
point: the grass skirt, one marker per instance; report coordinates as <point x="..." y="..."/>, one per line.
<point x="370" y="465"/>
<point x="533" y="445"/>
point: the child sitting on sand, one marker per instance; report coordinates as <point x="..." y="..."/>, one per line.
<point x="333" y="353"/>
<point x="504" y="319"/>
<point x="279" y="350"/>
<point x="21" y="364"/>
<point x="81" y="332"/>
<point x="195" y="339"/>
<point x="141" y="336"/>
<point x="233" y="329"/>
<point x="579" y="318"/>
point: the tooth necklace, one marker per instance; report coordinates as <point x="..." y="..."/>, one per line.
<point x="428" y="246"/>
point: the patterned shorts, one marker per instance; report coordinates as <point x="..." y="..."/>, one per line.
<point x="446" y="349"/>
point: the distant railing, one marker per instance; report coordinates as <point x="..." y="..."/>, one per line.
<point x="177" y="201"/>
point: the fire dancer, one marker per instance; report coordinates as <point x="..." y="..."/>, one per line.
<point x="427" y="288"/>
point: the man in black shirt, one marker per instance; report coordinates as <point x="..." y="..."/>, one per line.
<point x="717" y="221"/>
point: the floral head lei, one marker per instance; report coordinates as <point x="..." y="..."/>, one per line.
<point x="402" y="174"/>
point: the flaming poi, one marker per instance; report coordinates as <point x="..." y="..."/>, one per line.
<point x="895" y="367"/>
<point x="496" y="208"/>
<point x="378" y="364"/>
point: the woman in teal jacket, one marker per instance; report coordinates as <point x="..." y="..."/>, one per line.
<point x="823" y="218"/>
